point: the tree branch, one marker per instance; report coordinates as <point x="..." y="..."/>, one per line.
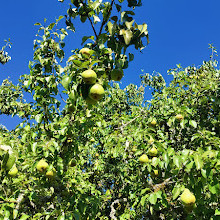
<point x="105" y="20"/>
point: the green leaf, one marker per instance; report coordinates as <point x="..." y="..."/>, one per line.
<point x="193" y="123"/>
<point x="198" y="161"/>
<point x="217" y="212"/>
<point x="143" y="199"/>
<point x="24" y="217"/>
<point x="176" y="191"/>
<point x="66" y="82"/>
<point x="127" y="34"/>
<point x="153" y="198"/>
<point x="110" y="26"/>
<point x="131" y="57"/>
<point x="177" y="161"/>
<point x="129" y="24"/>
<point x="214" y="189"/>
<point x="38" y="118"/>
<point x="96" y="19"/>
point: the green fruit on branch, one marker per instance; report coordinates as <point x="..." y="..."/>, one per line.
<point x="42" y="165"/>
<point x="151" y="140"/>
<point x="86" y="51"/>
<point x="134" y="149"/>
<point x="156" y="172"/>
<point x="9" y="161"/>
<point x="143" y="158"/>
<point x="153" y="151"/>
<point x="187" y="198"/>
<point x="13" y="171"/>
<point x="89" y="76"/>
<point x="153" y="123"/>
<point x="51" y="174"/>
<point x="179" y="117"/>
<point x="96" y="92"/>
<point x="72" y="163"/>
<point x="117" y="74"/>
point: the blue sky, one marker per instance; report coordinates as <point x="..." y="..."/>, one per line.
<point x="179" y="31"/>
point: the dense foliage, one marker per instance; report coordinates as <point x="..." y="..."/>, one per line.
<point x="82" y="154"/>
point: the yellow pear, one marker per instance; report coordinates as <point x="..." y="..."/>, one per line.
<point x="153" y="151"/>
<point x="89" y="76"/>
<point x="179" y="117"/>
<point x="51" y="174"/>
<point x="85" y="51"/>
<point x="153" y="123"/>
<point x="156" y="172"/>
<point x="42" y="165"/>
<point x="188" y="198"/>
<point x="96" y="92"/>
<point x="134" y="149"/>
<point x="13" y="171"/>
<point x="143" y="158"/>
<point x="92" y="139"/>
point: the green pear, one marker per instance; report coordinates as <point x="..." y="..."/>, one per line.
<point x="153" y="123"/>
<point x="188" y="198"/>
<point x="96" y="92"/>
<point x="9" y="161"/>
<point x="117" y="74"/>
<point x="144" y="158"/>
<point x="51" y="174"/>
<point x="179" y="117"/>
<point x="153" y="151"/>
<point x="89" y="76"/>
<point x="85" y="51"/>
<point x="42" y="165"/>
<point x="13" y="171"/>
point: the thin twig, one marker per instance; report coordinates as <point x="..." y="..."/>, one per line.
<point x="105" y="20"/>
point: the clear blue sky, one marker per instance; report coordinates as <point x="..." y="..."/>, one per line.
<point x="179" y="31"/>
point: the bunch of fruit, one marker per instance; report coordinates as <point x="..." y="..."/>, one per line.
<point x="89" y="76"/>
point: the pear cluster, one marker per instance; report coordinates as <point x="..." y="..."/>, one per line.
<point x="152" y="152"/>
<point x="96" y="91"/>
<point x="42" y="166"/>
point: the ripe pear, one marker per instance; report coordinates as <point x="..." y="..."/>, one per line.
<point x="151" y="141"/>
<point x="13" y="171"/>
<point x="156" y="172"/>
<point x="117" y="74"/>
<point x="153" y="151"/>
<point x="92" y="139"/>
<point x="179" y="117"/>
<point x="153" y="123"/>
<point x="143" y="158"/>
<point x="51" y="174"/>
<point x="85" y="51"/>
<point x="42" y="165"/>
<point x="96" y="92"/>
<point x="188" y="198"/>
<point x="134" y="149"/>
<point x="89" y="76"/>
<point x="97" y="154"/>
